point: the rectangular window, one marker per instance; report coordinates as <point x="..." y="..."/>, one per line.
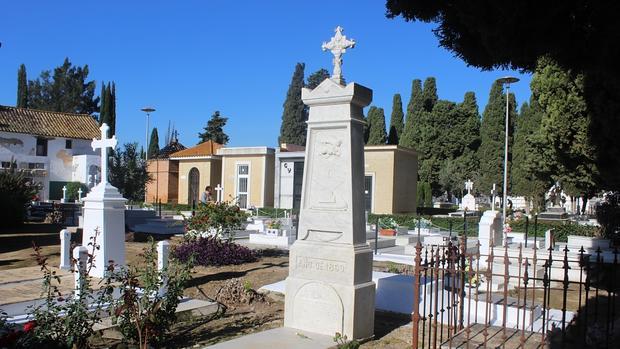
<point x="41" y="146"/>
<point x="36" y="165"/>
<point x="243" y="180"/>
<point x="68" y="144"/>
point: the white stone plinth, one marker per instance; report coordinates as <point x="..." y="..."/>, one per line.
<point x="104" y="221"/>
<point x="330" y="287"/>
<point x="490" y="231"/>
<point x="469" y="203"/>
<point x="65" y="250"/>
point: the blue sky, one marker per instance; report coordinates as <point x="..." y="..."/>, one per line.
<point x="190" y="58"/>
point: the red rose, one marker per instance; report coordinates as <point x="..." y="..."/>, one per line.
<point x="29" y="326"/>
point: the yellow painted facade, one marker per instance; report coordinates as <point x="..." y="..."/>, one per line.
<point x="394" y="172"/>
<point x="210" y="171"/>
<point x="261" y="174"/>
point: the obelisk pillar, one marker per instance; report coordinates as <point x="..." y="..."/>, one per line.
<point x="329" y="288"/>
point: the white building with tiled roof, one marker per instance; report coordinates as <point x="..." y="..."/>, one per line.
<point x="54" y="148"/>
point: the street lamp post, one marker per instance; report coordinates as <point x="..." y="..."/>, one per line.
<point x="507" y="80"/>
<point x="148" y="111"/>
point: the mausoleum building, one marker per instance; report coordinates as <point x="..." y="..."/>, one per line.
<point x="198" y="167"/>
<point x="53" y="148"/>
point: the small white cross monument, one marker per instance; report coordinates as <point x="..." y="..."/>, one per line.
<point x="104" y="143"/>
<point x="493" y="194"/>
<point x="338" y="45"/>
<point x="219" y="193"/>
<point x="64" y="194"/>
<point x="80" y="194"/>
<point x="104" y="214"/>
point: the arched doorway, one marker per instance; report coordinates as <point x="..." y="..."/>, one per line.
<point x="193" y="187"/>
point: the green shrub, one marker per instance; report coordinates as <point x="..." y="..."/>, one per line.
<point x="608" y="215"/>
<point x="73" y="188"/>
<point x="223" y="217"/>
<point x="16" y="192"/>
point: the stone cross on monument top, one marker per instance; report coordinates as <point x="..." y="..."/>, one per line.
<point x="104" y="143"/>
<point x="338" y="45"/>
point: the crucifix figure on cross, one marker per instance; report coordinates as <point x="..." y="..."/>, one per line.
<point x="338" y="45"/>
<point x="469" y="185"/>
<point x="219" y="194"/>
<point x="104" y="143"/>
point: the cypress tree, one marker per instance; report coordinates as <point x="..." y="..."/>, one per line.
<point x="154" y="144"/>
<point x="396" y="120"/>
<point x="104" y="115"/>
<point x="413" y="107"/>
<point x="22" y="87"/>
<point x="527" y="179"/>
<point x="112" y="109"/>
<point x="376" y="133"/>
<point x="429" y="94"/>
<point x="293" y="127"/>
<point x="492" y="135"/>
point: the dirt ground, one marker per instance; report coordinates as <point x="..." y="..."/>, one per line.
<point x="235" y="318"/>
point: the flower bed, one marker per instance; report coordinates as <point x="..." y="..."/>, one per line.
<point x="212" y="251"/>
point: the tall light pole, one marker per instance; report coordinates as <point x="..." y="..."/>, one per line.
<point x="148" y="111"/>
<point x="507" y="80"/>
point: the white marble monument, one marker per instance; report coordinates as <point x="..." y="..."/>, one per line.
<point x="469" y="201"/>
<point x="104" y="214"/>
<point x="490" y="232"/>
<point x="330" y="287"/>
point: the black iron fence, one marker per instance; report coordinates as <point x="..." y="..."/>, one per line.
<point x="514" y="297"/>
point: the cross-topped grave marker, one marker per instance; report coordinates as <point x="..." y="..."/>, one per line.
<point x="104" y="143"/>
<point x="338" y="45"/>
<point x="469" y="185"/>
<point x="219" y="194"/>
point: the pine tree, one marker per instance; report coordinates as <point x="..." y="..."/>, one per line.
<point x="396" y="120"/>
<point x="376" y="133"/>
<point x="214" y="131"/>
<point x="413" y="107"/>
<point x="293" y="127"/>
<point x="316" y="78"/>
<point x="22" y="87"/>
<point x="154" y="144"/>
<point x="492" y="135"/>
<point x="64" y="90"/>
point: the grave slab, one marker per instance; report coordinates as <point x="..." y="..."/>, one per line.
<point x="281" y="338"/>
